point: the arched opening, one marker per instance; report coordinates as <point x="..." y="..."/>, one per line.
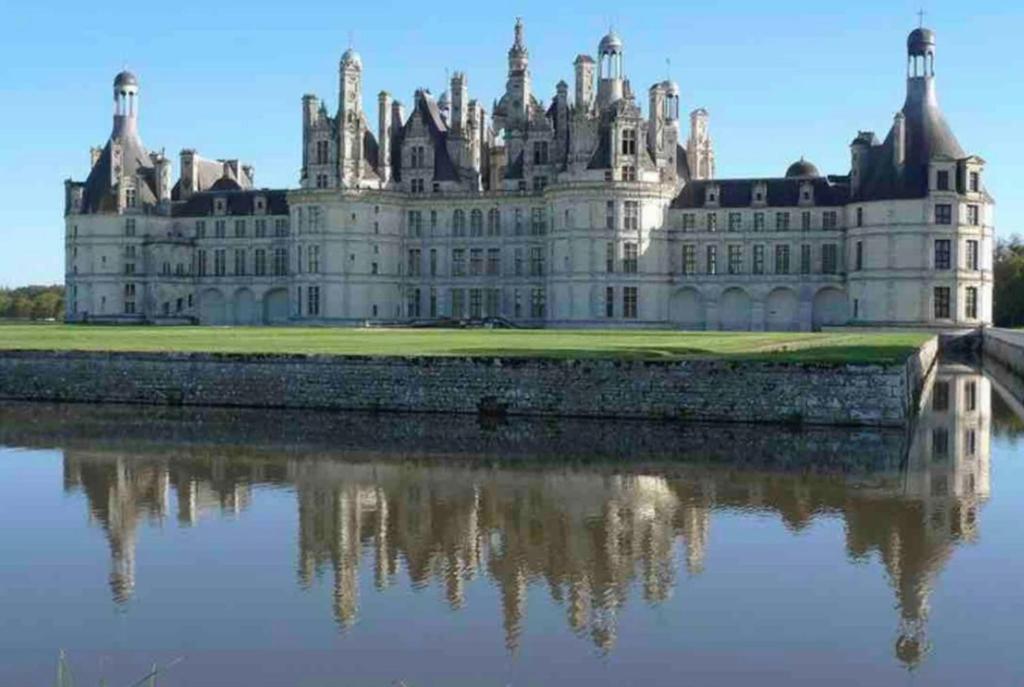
<point x="211" y="307"/>
<point x="782" y="311"/>
<point x="275" y="306"/>
<point x="734" y="307"/>
<point x="830" y="308"/>
<point x="244" y="307"/>
<point x="686" y="309"/>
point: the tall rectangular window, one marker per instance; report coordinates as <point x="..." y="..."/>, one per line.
<point x="782" y="221"/>
<point x="538" y="303"/>
<point x="943" y="213"/>
<point x="735" y="252"/>
<point x="433" y="302"/>
<point x="942" y="180"/>
<point x="476" y="303"/>
<point x="240" y="228"/>
<point x="858" y="263"/>
<point x="260" y="262"/>
<point x="492" y="302"/>
<point x="972" y="255"/>
<point x="279" y="267"/>
<point x="974" y="183"/>
<point x="493" y="261"/>
<point x="973" y="215"/>
<point x="941" y="297"/>
<point x="860" y="217"/>
<point x="711" y="222"/>
<point x="942" y="254"/>
<point x="781" y="259"/>
<point x="735" y="221"/>
<point x="758" y="266"/>
<point x="240" y="262"/>
<point x="829" y="258"/>
<point x="630" y="257"/>
<point x="433" y="262"/>
<point x="689" y="221"/>
<point x="129" y="227"/>
<point x="220" y="228"/>
<point x="413" y="262"/>
<point x="805" y="220"/>
<point x="540" y="152"/>
<point x="200" y="229"/>
<point x="476" y="262"/>
<point x="629" y="302"/>
<point x="313" y="301"/>
<point x="536" y="261"/>
<point x="712" y="260"/>
<point x="609" y="302"/>
<point x="629" y="142"/>
<point x="689" y="259"/>
<point x="458" y="301"/>
<point x="971" y="302"/>
<point x="829" y="219"/>
<point x="609" y="257"/>
<point x="805" y="258"/>
<point x="758" y="221"/>
<point x="518" y="262"/>
<point x="538" y="222"/>
<point x="631" y="215"/>
<point x="202" y="262"/>
<point x="609" y="214"/>
<point x="219" y="262"/>
<point x="458" y="262"/>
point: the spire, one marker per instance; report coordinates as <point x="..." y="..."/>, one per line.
<point x="518" y="55"/>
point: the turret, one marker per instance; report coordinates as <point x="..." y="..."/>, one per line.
<point x="859" y="158"/>
<point x="899" y="139"/>
<point x="655" y="116"/>
<point x="459" y="103"/>
<point x="126" y="104"/>
<point x="699" y="150"/>
<point x="610" y="86"/>
<point x="350" y="121"/>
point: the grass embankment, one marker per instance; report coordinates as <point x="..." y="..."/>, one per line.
<point x="853" y="347"/>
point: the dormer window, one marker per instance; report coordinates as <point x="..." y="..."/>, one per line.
<point x="261" y="205"/>
<point x="129" y="197"/>
<point x="629" y="142"/>
<point x="974" y="182"/>
<point x="220" y="206"/>
<point x="711" y="194"/>
<point x="942" y="180"/>
<point x="760" y="193"/>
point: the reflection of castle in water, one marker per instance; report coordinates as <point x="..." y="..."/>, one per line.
<point x="587" y="535"/>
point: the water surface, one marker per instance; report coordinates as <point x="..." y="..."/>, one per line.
<point x="305" y="549"/>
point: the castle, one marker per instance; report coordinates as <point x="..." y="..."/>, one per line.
<point x="582" y="212"/>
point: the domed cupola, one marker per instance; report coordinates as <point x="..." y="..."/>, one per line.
<point x="611" y="44"/>
<point x="125" y="80"/>
<point x="921" y="41"/>
<point x="802" y="169"/>
<point x="350" y="58"/>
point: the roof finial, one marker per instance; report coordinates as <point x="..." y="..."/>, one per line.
<point x="668" y="68"/>
<point x="350" y="39"/>
<point x="920" y="18"/>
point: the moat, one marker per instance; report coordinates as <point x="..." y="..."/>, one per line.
<point x="301" y="548"/>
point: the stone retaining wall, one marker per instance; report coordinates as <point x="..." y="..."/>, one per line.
<point x="1006" y="346"/>
<point x="710" y="390"/>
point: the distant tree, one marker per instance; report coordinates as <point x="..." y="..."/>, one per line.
<point x="32" y="302"/>
<point x="1008" y="291"/>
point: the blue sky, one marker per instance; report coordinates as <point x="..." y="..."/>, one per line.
<point x="780" y="79"/>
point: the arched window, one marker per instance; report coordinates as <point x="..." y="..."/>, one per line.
<point x="459" y="223"/>
<point x="493" y="222"/>
<point x="476" y="223"/>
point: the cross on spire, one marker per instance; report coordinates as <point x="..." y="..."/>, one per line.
<point x="920" y="17"/>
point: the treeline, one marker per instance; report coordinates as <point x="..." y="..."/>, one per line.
<point x="1008" y="300"/>
<point x="32" y="303"/>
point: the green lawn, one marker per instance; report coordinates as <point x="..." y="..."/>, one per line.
<point x="856" y="347"/>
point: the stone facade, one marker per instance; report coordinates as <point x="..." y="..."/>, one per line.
<point x="581" y="212"/>
<point x="713" y="390"/>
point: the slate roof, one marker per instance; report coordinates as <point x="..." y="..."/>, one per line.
<point x="782" y="192"/>
<point x="99" y="195"/>
<point x="426" y="107"/>
<point x="238" y="203"/>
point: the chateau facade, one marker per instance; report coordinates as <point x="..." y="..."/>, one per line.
<point x="582" y="212"/>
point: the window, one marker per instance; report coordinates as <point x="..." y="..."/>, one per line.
<point x="321" y="152"/>
<point x="940" y="450"/>
<point x="711" y="222"/>
<point x="476" y="223"/>
<point x="415" y="228"/>
<point x="943" y="214"/>
<point x="433" y="302"/>
<point x="829" y="219"/>
<point x="609" y="214"/>
<point x="374" y="267"/>
<point x="735" y="221"/>
<point x="260" y="262"/>
<point x="758" y="221"/>
<point x="219" y="262"/>
<point x="281" y="227"/>
<point x="220" y="228"/>
<point x="537" y="303"/>
<point x="609" y="257"/>
<point x="538" y="222"/>
<point x="540" y="152"/>
<point x="629" y="302"/>
<point x="972" y="255"/>
<point x="240" y="227"/>
<point x="540" y="183"/>
<point x="782" y="259"/>
<point x="418" y="157"/>
<point x="805" y="220"/>
<point x="974" y="183"/>
<point x="735" y="253"/>
<point x="476" y="262"/>
<point x="940" y="397"/>
<point x="201" y="259"/>
<point x="628" y="173"/>
<point x="261" y="228"/>
<point x="129" y="226"/>
<point x="609" y="301"/>
<point x="941" y="298"/>
<point x="476" y="303"/>
<point x="859" y="258"/>
<point x="492" y="302"/>
<point x="493" y="261"/>
<point x="630" y="257"/>
<point x="689" y="259"/>
<point x="712" y="260"/>
<point x="459" y="223"/>
<point x="829" y="258"/>
<point x="129" y="299"/>
<point x="973" y="215"/>
<point x="631" y="215"/>
<point x="805" y="258"/>
<point x="416" y="185"/>
<point x="458" y="300"/>
<point x="942" y="254"/>
<point x="458" y="262"/>
<point x="758" y="266"/>
<point x="942" y="180"/>
<point x="129" y="197"/>
<point x="413" y="267"/>
<point x="970" y="396"/>
<point x="313" y="301"/>
<point x="519" y="262"/>
<point x="200" y="229"/>
<point x="971" y="303"/>
<point x="240" y="262"/>
<point x="536" y="261"/>
<point x="279" y="266"/>
<point x="781" y="221"/>
<point x="629" y="141"/>
<point x="493" y="222"/>
<point x="412" y="303"/>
